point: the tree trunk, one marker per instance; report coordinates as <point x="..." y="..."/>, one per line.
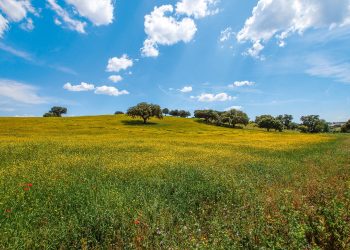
<point x="144" y="120"/>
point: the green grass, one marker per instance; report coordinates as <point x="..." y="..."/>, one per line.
<point x="109" y="182"/>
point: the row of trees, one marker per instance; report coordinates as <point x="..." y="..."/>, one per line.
<point x="310" y="124"/>
<point x="177" y="113"/>
<point x="230" y="118"/>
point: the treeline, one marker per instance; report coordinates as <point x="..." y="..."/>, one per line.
<point x="176" y="113"/>
<point x="230" y="118"/>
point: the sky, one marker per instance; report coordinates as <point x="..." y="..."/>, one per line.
<point x="100" y="56"/>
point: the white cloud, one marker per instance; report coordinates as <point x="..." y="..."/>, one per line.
<point x="197" y="8"/>
<point x="16" y="10"/>
<point x="321" y="67"/>
<point x="241" y="84"/>
<point x="112" y="91"/>
<point x="99" y="12"/>
<point x="29" y="25"/>
<point x="3" y="25"/>
<point x="234" y="107"/>
<point x="115" y="78"/>
<point x="166" y="30"/>
<point x="22" y="54"/>
<point x="186" y="89"/>
<point x="78" y="88"/>
<point x="64" y="15"/>
<point x="150" y="48"/>
<point x="226" y="34"/>
<point x="222" y="97"/>
<point x="281" y="18"/>
<point x="20" y="92"/>
<point x="116" y="64"/>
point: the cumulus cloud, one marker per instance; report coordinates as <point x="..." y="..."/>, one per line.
<point x="281" y="18"/>
<point x="71" y="23"/>
<point x="79" y="88"/>
<point x="186" y="89"/>
<point x="221" y="97"/>
<point x="234" y="107"/>
<point x="20" y="92"/>
<point x="99" y="12"/>
<point x="241" y="84"/>
<point x="162" y="29"/>
<point x="112" y="91"/>
<point x="197" y="8"/>
<point x="115" y="78"/>
<point x="116" y="64"/>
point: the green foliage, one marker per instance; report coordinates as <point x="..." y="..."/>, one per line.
<point x="346" y="127"/>
<point x="286" y="120"/>
<point x="208" y="115"/>
<point x="119" y="113"/>
<point x="165" y="111"/>
<point x="56" y="112"/>
<point x="180" y="113"/>
<point x="145" y="111"/>
<point x="269" y="122"/>
<point x="314" y="124"/>
<point x="234" y="117"/>
<point x="229" y="118"/>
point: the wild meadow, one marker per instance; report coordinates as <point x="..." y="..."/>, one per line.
<point x="110" y="182"/>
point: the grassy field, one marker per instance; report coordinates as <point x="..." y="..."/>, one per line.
<point x="109" y="182"/>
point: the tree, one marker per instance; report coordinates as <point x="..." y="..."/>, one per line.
<point x="269" y="122"/>
<point x="145" y="111"/>
<point x="165" y="111"/>
<point x="234" y="117"/>
<point x="314" y="124"/>
<point x="346" y="127"/>
<point x="208" y="115"/>
<point x="184" y="114"/>
<point x="174" y="112"/>
<point x="286" y="120"/>
<point x="56" y="112"/>
<point x="118" y="112"/>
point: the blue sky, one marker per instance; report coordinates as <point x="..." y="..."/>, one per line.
<point x="99" y="56"/>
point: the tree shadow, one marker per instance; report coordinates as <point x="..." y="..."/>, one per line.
<point x="137" y="123"/>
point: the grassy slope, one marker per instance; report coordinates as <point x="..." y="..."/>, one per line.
<point x="111" y="182"/>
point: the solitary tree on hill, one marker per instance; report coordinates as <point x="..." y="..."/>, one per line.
<point x="145" y="111"/>
<point x="56" y="112"/>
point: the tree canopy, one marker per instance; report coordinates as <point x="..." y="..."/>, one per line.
<point x="269" y="122"/>
<point x="145" y="111"/>
<point x="313" y="124"/>
<point x="346" y="127"/>
<point x="56" y="112"/>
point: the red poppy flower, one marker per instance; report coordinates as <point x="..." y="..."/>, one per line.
<point x="29" y="184"/>
<point x="136" y="222"/>
<point x="8" y="210"/>
<point x="26" y="189"/>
